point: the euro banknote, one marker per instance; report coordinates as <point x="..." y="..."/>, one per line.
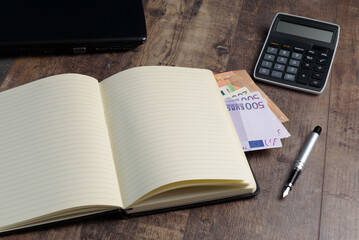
<point x="256" y="125"/>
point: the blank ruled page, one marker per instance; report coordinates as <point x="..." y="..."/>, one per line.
<point x="54" y="149"/>
<point x="167" y="125"/>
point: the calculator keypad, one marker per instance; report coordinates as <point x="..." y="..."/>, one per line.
<point x="296" y="65"/>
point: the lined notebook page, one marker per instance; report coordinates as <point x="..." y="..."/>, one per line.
<point x="54" y="149"/>
<point x="169" y="124"/>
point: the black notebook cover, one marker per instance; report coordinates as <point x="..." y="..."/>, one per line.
<point x="71" y="25"/>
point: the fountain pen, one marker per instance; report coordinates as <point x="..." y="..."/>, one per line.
<point x="302" y="158"/>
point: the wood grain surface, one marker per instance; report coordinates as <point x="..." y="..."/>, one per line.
<point x="225" y="35"/>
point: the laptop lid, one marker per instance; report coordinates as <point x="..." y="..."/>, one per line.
<point x="71" y="25"/>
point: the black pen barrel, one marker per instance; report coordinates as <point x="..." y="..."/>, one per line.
<point x="293" y="177"/>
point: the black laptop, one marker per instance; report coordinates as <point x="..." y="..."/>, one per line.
<point x="71" y="26"/>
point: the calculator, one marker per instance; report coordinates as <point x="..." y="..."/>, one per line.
<point x="298" y="53"/>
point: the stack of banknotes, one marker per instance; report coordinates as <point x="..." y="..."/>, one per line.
<point x="257" y="126"/>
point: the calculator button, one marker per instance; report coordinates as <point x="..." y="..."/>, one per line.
<point x="322" y="61"/>
<point x="309" y="58"/>
<point x="284" y="53"/>
<point x="299" y="49"/>
<point x="292" y="70"/>
<point x="266" y="64"/>
<point x="311" y="52"/>
<point x="297" y="56"/>
<point x="307" y="65"/>
<point x="282" y="60"/>
<point x="315" y="83"/>
<point x="286" y="46"/>
<point x="323" y="55"/>
<point x="294" y="63"/>
<point x="274" y="44"/>
<point x="263" y="71"/>
<point x="279" y="67"/>
<point x="269" y="57"/>
<point x="289" y="77"/>
<point x="318" y="76"/>
<point x="276" y="74"/>
<point x="303" y="78"/>
<point x="272" y="50"/>
<point x="319" y="68"/>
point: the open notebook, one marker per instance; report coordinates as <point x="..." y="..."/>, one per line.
<point x="145" y="139"/>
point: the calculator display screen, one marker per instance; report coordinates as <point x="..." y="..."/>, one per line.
<point x="304" y="31"/>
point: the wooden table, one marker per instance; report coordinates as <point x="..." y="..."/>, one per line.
<point x="223" y="35"/>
